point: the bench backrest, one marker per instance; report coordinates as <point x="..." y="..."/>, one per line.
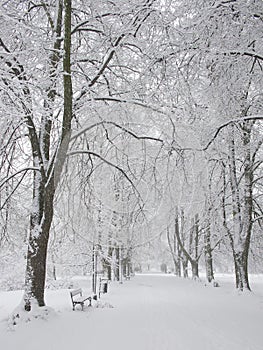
<point x="76" y="292"/>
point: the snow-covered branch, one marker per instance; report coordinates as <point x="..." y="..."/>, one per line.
<point x="232" y="121"/>
<point x="96" y="155"/>
<point x="16" y="173"/>
<point x="85" y="129"/>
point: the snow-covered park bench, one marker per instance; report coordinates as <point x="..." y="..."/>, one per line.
<point x="77" y="297"/>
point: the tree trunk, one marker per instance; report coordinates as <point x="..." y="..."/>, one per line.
<point x="44" y="183"/>
<point x="117" y="264"/>
<point x="241" y="273"/>
<point x="125" y="267"/>
<point x="185" y="266"/>
<point x="173" y="243"/>
<point x="94" y="268"/>
<point x="193" y="247"/>
<point x="184" y="256"/>
<point x="208" y="251"/>
<point x="195" y="269"/>
<point x="177" y="248"/>
<point x="107" y="265"/>
<point x="241" y="211"/>
<point x="174" y="252"/>
<point x="40" y="222"/>
<point x="208" y="260"/>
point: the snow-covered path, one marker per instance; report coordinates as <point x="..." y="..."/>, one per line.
<point x="167" y="313"/>
<point x="149" y="313"/>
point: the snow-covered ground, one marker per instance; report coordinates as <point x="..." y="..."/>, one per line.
<point x="150" y="312"/>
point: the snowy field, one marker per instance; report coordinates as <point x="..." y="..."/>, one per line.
<point x="150" y="312"/>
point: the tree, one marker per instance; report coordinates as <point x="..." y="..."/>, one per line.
<point x="41" y="83"/>
<point x="231" y="65"/>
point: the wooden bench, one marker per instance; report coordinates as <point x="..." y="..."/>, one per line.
<point x="77" y="298"/>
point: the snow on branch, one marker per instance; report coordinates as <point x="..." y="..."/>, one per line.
<point x="16" y="173"/>
<point x="135" y="102"/>
<point x="76" y="152"/>
<point x="81" y="27"/>
<point x="85" y="129"/>
<point x="232" y="121"/>
<point x="246" y="53"/>
<point x="130" y="29"/>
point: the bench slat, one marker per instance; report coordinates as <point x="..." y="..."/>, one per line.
<point x="76" y="292"/>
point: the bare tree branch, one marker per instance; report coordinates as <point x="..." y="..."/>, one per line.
<point x="16" y="173"/>
<point x="233" y="121"/>
<point x="105" y="122"/>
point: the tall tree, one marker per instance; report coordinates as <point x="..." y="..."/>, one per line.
<point x="44" y="92"/>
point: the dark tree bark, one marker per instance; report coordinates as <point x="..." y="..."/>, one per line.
<point x="45" y="182"/>
<point x="174" y="246"/>
<point x="184" y="256"/>
<point x="117" y="264"/>
<point x="107" y="264"/>
<point x="208" y="257"/>
<point x="208" y="249"/>
<point x="192" y="254"/>
<point x="37" y="246"/>
<point x="240" y="235"/>
<point x="194" y="241"/>
<point x="172" y="242"/>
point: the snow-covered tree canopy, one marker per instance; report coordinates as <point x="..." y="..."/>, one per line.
<point x="126" y="123"/>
